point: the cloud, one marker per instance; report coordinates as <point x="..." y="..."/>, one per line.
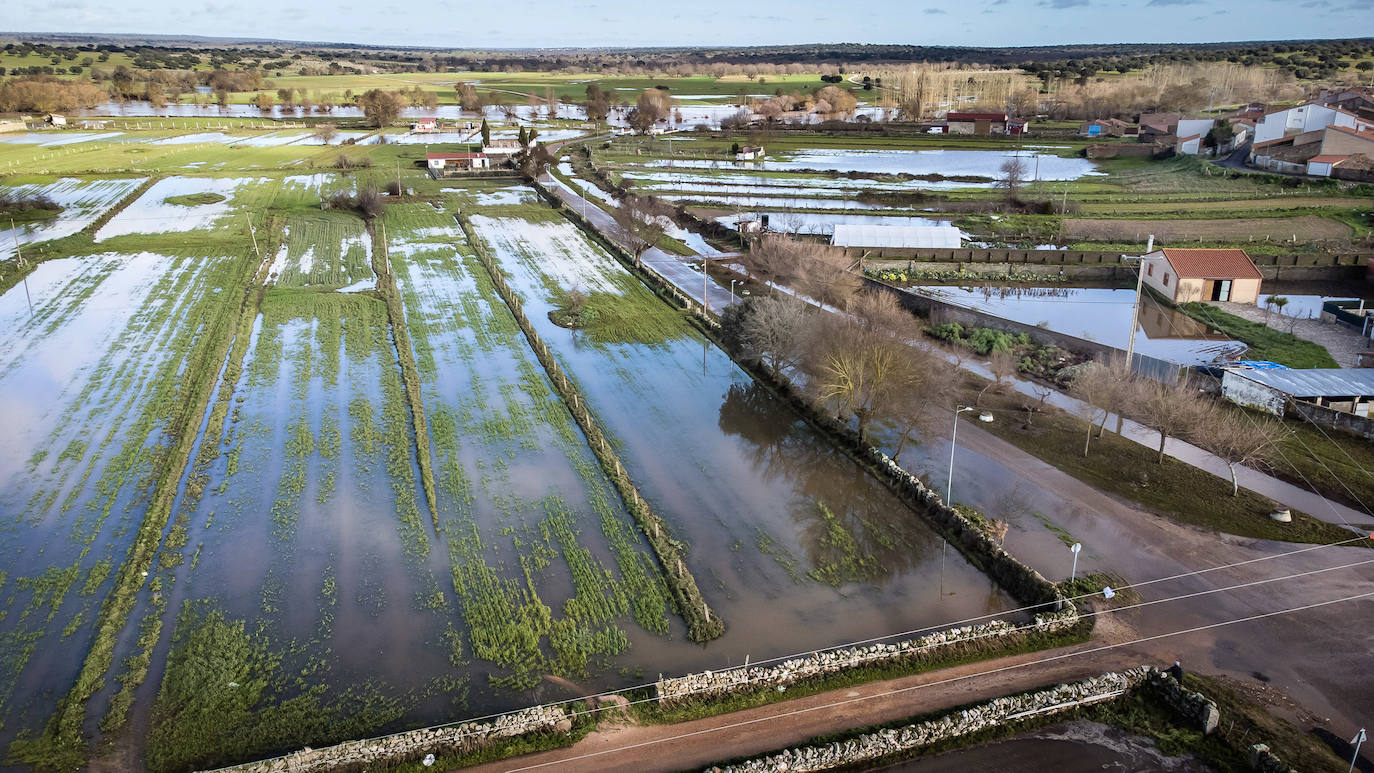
<point x="933" y="11"/>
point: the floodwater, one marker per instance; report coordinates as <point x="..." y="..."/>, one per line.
<point x="82" y="202"/>
<point x="822" y="224"/>
<point x="766" y="505"/>
<point x="1098" y="314"/>
<point x="1071" y="747"/>
<point x="755" y="202"/>
<point x="151" y="214"/>
<point x="52" y="139"/>
<point x="950" y="163"/>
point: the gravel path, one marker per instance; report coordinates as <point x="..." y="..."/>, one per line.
<point x="1344" y="343"/>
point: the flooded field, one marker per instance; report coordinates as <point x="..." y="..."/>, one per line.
<point x="82" y="202"/>
<point x="1097" y="314"/>
<point x="949" y="163"/>
<point x="325" y="461"/>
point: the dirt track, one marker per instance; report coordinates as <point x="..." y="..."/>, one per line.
<point x="1306" y="228"/>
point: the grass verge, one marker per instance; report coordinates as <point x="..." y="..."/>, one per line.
<point x="1265" y="342"/>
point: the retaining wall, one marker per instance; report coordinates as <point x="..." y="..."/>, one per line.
<point x="412" y="745"/>
<point x="1346" y="422"/>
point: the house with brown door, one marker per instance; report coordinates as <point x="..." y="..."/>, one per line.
<point x="1187" y="275"/>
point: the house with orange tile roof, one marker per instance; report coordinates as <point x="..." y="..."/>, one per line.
<point x="1186" y="275"/>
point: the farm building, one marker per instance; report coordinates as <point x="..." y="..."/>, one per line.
<point x="893" y="240"/>
<point x="1344" y="390"/>
<point x="1186" y="275"/>
<point x="983" y="124"/>
<point x="56" y="120"/>
<point x="444" y="164"/>
<point x="12" y="126"/>
<point x="502" y="147"/>
<point x="1108" y="127"/>
<point x="425" y="125"/>
<point x="1296" y="153"/>
<point x="749" y="153"/>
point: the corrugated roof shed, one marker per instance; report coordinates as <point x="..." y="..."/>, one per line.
<point x="896" y="236"/>
<point x="1315" y="382"/>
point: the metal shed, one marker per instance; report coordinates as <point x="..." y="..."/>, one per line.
<point x="1349" y="390"/>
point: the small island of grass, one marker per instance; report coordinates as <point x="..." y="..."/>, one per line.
<point x="194" y="199"/>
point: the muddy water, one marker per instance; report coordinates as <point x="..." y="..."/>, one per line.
<point x="768" y="508"/>
<point x="1073" y="747"/>
<point x="1097" y="314"/>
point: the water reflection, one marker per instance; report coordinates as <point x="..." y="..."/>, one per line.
<point x="1098" y="314"/>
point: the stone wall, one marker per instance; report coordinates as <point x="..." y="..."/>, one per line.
<point x="1190" y="705"/>
<point x="883" y="743"/>
<point x="412" y="745"/>
<point x="710" y="684"/>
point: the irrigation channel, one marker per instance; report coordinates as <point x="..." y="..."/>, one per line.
<point x="269" y="492"/>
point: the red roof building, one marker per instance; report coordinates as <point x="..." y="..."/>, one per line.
<point x="1186" y="275"/>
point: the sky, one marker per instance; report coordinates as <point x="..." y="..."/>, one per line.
<point x="575" y="23"/>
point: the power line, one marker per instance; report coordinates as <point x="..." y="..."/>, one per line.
<point x="984" y="635"/>
<point x="1002" y="669"/>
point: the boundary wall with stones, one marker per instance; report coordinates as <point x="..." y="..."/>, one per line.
<point x="710" y="684"/>
<point x="1190" y="706"/>
<point x="702" y="625"/>
<point x="400" y="747"/>
<point x="883" y="743"/>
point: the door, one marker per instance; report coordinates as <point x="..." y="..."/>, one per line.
<point x="1224" y="290"/>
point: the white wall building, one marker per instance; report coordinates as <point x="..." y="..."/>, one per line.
<point x="1305" y="118"/>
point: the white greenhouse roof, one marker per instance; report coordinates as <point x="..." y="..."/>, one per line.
<point x="877" y="236"/>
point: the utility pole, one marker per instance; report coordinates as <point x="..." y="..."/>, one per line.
<point x="19" y="259"/>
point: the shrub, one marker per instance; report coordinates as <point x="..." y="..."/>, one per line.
<point x="393" y="188"/>
<point x="950" y="331"/>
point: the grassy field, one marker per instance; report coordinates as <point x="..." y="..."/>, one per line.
<point x="1265" y="342"/>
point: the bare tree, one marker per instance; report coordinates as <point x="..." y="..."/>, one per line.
<point x="825" y="274"/>
<point x="1013" y="176"/>
<point x="639" y="221"/>
<point x="1172" y="410"/>
<point x="1002" y="366"/>
<point x="778" y="331"/>
<point x="1239" y="439"/>
<point x="926" y="403"/>
<point x="326" y="132"/>
<point x="771" y="259"/>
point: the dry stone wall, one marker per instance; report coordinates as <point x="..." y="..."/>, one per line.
<point x="450" y="739"/>
<point x="882" y="743"/>
<point x="709" y="684"/>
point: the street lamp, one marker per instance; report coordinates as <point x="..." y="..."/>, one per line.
<point x="954" y="443"/>
<point x="1075" y="548"/>
<point x="1357" y="740"/>
<point x="732" y="291"/>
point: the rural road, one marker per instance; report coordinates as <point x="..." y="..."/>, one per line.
<point x="1239" y="578"/>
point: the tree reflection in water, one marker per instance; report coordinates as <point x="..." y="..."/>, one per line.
<point x="881" y="538"/>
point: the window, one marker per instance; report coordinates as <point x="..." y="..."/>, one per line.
<point x="1149" y="269"/>
<point x="1166" y="278"/>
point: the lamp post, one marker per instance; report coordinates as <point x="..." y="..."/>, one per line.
<point x="954" y="443"/>
<point x="1075" y="549"/>
<point x="1357" y="740"/>
<point x="732" y="291"/>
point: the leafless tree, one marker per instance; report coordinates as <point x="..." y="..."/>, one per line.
<point x="1099" y="387"/>
<point x="1239" y="439"/>
<point x="1172" y="410"/>
<point x="825" y="274"/>
<point x="771" y="259"/>
<point x="778" y="331"/>
<point x="1002" y="366"/>
<point x="638" y="219"/>
<point x="1013" y="176"/>
<point x="326" y="132"/>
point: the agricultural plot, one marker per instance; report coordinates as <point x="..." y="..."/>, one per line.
<point x="784" y="534"/>
<point x="549" y="574"/>
<point x="82" y="202"/>
<point x="174" y="205"/>
<point x="93" y="381"/>
<point x="304" y="536"/>
<point x="328" y="250"/>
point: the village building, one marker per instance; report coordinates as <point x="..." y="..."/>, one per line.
<point x="1155" y="126"/>
<point x="425" y="125"/>
<point x="448" y="164"/>
<point x="875" y="241"/>
<point x="55" y="119"/>
<point x="1323" y="152"/>
<point x="1279" y="390"/>
<point x="1307" y="117"/>
<point x="749" y="153"/>
<point x="12" y="126"/>
<point x="1187" y="275"/>
<point x="984" y="124"/>
<point x="1358" y="100"/>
